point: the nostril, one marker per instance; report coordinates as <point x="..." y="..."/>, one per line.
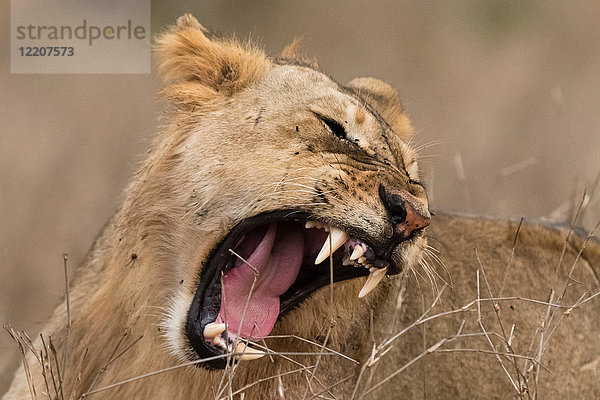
<point x="397" y="207"/>
<point x="396" y="219"/>
<point x="395" y="204"/>
<point x="404" y="215"/>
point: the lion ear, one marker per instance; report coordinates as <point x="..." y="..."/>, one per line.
<point x="384" y="99"/>
<point x="188" y="54"/>
<point x="292" y="50"/>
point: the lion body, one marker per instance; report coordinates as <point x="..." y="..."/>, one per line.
<point x="236" y="145"/>
<point x="572" y="355"/>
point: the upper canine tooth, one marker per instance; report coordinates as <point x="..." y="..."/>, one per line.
<point x="213" y="330"/>
<point x="357" y="252"/>
<point x="245" y="352"/>
<point x="336" y="238"/>
<point x="374" y="278"/>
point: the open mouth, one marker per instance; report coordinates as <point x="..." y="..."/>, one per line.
<point x="265" y="267"/>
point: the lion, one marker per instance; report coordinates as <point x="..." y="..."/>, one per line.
<point x="271" y="246"/>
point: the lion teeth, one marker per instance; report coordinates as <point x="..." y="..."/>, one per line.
<point x="311" y="224"/>
<point x="213" y="330"/>
<point x="346" y="260"/>
<point x="316" y="224"/>
<point x="246" y="353"/>
<point x="372" y="281"/>
<point x="361" y="260"/>
<point x="357" y="252"/>
<point x="217" y="340"/>
<point x="336" y="238"/>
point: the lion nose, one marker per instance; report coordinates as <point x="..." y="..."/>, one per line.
<point x="407" y="214"/>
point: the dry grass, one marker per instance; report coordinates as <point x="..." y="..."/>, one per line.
<point x="522" y="371"/>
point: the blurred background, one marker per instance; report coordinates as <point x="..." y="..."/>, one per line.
<point x="505" y="96"/>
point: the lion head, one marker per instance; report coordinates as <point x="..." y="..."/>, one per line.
<point x="280" y="179"/>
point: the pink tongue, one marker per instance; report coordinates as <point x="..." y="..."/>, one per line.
<point x="277" y="258"/>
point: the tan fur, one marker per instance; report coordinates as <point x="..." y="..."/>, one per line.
<point x="240" y="137"/>
<point x="292" y="50"/>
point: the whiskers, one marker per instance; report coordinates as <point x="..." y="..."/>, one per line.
<point x="302" y="189"/>
<point x="430" y="264"/>
<point x="420" y="147"/>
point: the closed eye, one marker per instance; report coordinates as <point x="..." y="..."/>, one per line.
<point x="335" y="127"/>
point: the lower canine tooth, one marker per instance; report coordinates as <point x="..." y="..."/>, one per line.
<point x="245" y="352"/>
<point x="372" y="281"/>
<point x="346" y="260"/>
<point x="220" y="342"/>
<point x="213" y="330"/>
<point x="337" y="238"/>
<point x="361" y="260"/>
